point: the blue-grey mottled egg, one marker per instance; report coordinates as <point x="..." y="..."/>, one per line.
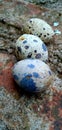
<point x="32" y="75"/>
<point x="40" y="28"/>
<point x="30" y="46"/>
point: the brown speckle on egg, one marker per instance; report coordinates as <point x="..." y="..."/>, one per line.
<point x="21" y="38"/>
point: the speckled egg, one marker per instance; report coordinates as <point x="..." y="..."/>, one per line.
<point x="30" y="46"/>
<point x="40" y="28"/>
<point x="32" y="75"/>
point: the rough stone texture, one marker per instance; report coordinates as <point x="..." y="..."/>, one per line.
<point x="19" y="110"/>
<point x="56" y="4"/>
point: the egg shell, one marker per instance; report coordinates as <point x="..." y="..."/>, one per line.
<point x="30" y="46"/>
<point x="40" y="28"/>
<point x="32" y="75"/>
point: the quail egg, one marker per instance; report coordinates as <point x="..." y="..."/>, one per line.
<point x="30" y="46"/>
<point x="40" y="28"/>
<point x="33" y="75"/>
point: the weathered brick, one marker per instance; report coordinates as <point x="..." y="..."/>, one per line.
<point x="6" y="78"/>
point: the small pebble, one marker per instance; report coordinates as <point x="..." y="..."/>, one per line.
<point x="55" y="24"/>
<point x="57" y="32"/>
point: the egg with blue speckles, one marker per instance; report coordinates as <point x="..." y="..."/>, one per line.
<point x="32" y="75"/>
<point x="30" y="46"/>
<point x="40" y="28"/>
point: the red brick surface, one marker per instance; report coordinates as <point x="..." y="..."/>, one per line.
<point x="6" y="78"/>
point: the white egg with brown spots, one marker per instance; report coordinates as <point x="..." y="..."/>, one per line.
<point x="40" y="28"/>
<point x="30" y="46"/>
<point x="32" y="75"/>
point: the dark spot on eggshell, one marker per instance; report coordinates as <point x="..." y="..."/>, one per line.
<point x="38" y="56"/>
<point x="30" y="21"/>
<point x="19" y="49"/>
<point x="43" y="28"/>
<point x="36" y="75"/>
<point x="35" y="40"/>
<point x="27" y="75"/>
<point x="50" y="73"/>
<point x="15" y="77"/>
<point x="26" y="47"/>
<point x="28" y="84"/>
<point x="44" y="47"/>
<point x="44" y="35"/>
<point x="60" y="14"/>
<point x="36" y="34"/>
<point x="47" y="33"/>
<point x="29" y="55"/>
<point x="25" y="41"/>
<point x="40" y="35"/>
<point x="31" y="66"/>
<point x="29" y="27"/>
<point x="35" y="51"/>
